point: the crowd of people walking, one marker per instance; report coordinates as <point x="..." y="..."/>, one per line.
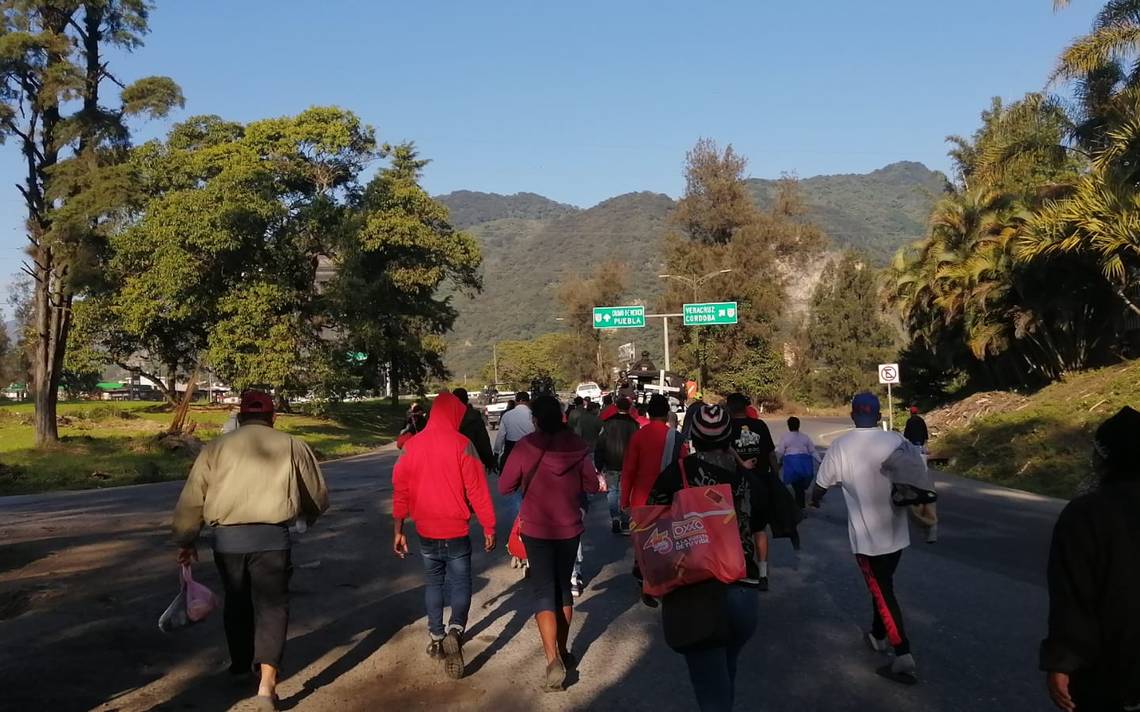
<point x="252" y="485"/>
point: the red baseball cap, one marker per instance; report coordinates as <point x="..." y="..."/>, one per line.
<point x="256" y="402"/>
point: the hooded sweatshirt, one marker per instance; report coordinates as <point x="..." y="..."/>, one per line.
<point x="645" y="458"/>
<point x="1094" y="597"/>
<point x="439" y="479"/>
<point x="553" y="470"/>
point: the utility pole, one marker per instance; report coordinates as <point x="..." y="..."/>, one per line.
<point x="495" y="357"/>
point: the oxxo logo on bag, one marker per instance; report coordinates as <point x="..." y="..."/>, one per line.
<point x="685" y="534"/>
<point x="688" y="533"/>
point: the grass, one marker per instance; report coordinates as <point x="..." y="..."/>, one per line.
<point x="112" y="444"/>
<point x="1044" y="444"/>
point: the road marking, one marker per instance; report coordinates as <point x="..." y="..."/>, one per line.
<point x="835" y="432"/>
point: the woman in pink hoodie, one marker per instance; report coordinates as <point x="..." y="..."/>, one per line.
<point x="553" y="469"/>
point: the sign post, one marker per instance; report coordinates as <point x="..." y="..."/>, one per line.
<point x="710" y="313"/>
<point x="889" y="376"/>
<point x="631" y="317"/>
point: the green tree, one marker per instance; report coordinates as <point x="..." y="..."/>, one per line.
<point x="579" y="295"/>
<point x="54" y="68"/>
<point x="540" y="357"/>
<point x="218" y="264"/>
<point x="387" y="299"/>
<point x="847" y="335"/>
<point x="731" y="251"/>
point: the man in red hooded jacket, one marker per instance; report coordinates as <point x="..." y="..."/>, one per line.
<point x="437" y="482"/>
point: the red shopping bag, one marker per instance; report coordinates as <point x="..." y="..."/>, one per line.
<point x="695" y="539"/>
<point x="515" y="545"/>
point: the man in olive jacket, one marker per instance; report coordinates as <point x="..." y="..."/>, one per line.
<point x="250" y="486"/>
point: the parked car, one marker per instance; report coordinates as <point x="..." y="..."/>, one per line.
<point x="590" y="390"/>
<point x="494" y="411"/>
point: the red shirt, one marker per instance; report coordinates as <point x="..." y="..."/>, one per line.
<point x="439" y="474"/>
<point x="643" y="463"/>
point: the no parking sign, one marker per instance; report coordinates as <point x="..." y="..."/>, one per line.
<point x="889" y="374"/>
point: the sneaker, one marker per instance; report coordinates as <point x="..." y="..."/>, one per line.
<point x="624" y="531"/>
<point x="762" y="583"/>
<point x="576" y="587"/>
<point x="615" y="526"/>
<point x="902" y="670"/>
<point x="879" y="645"/>
<point x="649" y="600"/>
<point x="453" y="654"/>
<point x="435" y="649"/>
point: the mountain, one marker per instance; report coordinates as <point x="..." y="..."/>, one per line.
<point x="524" y="260"/>
<point x="530" y="243"/>
<point x="874" y="212"/>
<point x="469" y="207"/>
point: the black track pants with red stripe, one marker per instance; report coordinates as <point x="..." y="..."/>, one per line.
<point x="879" y="572"/>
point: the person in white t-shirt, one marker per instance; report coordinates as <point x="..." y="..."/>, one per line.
<point x="878" y="529"/>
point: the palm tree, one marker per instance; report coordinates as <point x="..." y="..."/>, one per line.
<point x="1114" y="40"/>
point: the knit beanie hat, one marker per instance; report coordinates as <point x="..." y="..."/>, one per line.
<point x="712" y="427"/>
<point x="1117" y="440"/>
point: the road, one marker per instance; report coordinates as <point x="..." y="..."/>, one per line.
<point x="84" y="576"/>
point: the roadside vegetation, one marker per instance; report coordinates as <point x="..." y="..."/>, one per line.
<point x="1039" y="442"/>
<point x="113" y="444"/>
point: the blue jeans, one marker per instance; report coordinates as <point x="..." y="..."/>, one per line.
<point x="713" y="671"/>
<point x="613" y="496"/>
<point x="447" y="565"/>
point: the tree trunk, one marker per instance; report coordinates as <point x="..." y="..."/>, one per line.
<point x="1127" y="302"/>
<point x="183" y="409"/>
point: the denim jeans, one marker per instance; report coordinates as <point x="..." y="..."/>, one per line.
<point x="713" y="671"/>
<point x="447" y="567"/>
<point x="613" y="496"/>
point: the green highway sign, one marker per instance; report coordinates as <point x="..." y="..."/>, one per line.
<point x="619" y="317"/>
<point x="357" y="357"/>
<point x="710" y="313"/>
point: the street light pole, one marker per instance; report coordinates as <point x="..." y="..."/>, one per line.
<point x="695" y="283"/>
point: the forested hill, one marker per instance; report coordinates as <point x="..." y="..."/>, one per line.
<point x="531" y="242"/>
<point x="874" y="212"/>
<point x="470" y="207"/>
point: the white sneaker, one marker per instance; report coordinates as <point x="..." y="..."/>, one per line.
<point x="879" y="645"/>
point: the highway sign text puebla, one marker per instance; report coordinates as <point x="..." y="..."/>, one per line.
<point x="710" y="313"/>
<point x="619" y="317"/>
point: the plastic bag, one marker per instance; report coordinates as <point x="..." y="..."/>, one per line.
<point x="193" y="603"/>
<point x="200" y="601"/>
<point x="175" y="617"/>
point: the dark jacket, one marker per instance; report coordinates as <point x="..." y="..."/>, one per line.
<point x="615" y="437"/>
<point x="916" y="431"/>
<point x="588" y="426"/>
<point x="474" y="428"/>
<point x="1094" y="598"/>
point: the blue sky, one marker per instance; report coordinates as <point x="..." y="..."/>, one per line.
<point x="582" y="100"/>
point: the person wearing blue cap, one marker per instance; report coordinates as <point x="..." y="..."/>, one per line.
<point x="878" y="529"/>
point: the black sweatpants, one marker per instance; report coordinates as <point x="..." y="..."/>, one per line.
<point x="257" y="605"/>
<point x="887" y="622"/>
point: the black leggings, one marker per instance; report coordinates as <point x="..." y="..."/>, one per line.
<point x="551" y="564"/>
<point x="879" y="572"/>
